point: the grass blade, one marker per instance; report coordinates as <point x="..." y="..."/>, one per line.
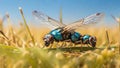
<point x="118" y="21"/>
<point x="108" y="41"/>
<point x="27" y="28"/>
<point x="10" y="28"/>
<point x="61" y="16"/>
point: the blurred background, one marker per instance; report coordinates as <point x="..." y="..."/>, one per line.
<point x="72" y="10"/>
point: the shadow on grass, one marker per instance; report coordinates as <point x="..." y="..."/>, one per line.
<point x="80" y="49"/>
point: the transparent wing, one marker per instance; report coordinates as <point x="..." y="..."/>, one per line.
<point x="115" y="18"/>
<point x="92" y="19"/>
<point x="46" y="19"/>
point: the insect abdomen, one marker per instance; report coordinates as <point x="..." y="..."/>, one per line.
<point x="75" y="36"/>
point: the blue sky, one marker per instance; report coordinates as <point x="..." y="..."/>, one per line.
<point x="73" y="10"/>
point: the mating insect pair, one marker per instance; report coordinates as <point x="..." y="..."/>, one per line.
<point x="74" y="37"/>
<point x="67" y="32"/>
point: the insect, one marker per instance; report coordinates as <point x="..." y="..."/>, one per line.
<point x="63" y="32"/>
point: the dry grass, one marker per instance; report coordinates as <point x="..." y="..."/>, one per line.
<point x="39" y="32"/>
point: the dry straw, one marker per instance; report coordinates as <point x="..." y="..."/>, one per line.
<point x="107" y="36"/>
<point x="118" y="21"/>
<point x="1" y="24"/>
<point x="61" y="15"/>
<point x="10" y="28"/>
<point x="27" y="28"/>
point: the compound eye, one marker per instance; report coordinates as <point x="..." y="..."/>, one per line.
<point x="35" y="11"/>
<point x="98" y="14"/>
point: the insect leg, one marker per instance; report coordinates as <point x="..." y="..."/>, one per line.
<point x="57" y="45"/>
<point x="51" y="45"/>
<point x="71" y="44"/>
<point x="81" y="45"/>
<point x="74" y="44"/>
<point x="63" y="44"/>
<point x="69" y="40"/>
<point x="87" y="45"/>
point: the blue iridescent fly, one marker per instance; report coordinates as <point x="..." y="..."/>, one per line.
<point x="64" y="32"/>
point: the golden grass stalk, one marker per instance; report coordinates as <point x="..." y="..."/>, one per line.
<point x="107" y="36"/>
<point x="119" y="35"/>
<point x="27" y="28"/>
<point x="1" y="32"/>
<point x="2" y="21"/>
<point x="118" y="21"/>
<point x="1" y="24"/>
<point x="7" y="40"/>
<point x="10" y="28"/>
<point x="61" y="15"/>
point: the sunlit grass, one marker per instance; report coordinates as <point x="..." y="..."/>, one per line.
<point x="36" y="58"/>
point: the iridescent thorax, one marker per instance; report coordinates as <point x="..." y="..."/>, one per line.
<point x="57" y="34"/>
